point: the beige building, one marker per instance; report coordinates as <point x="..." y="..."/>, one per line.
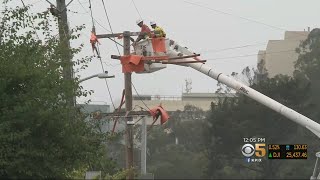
<point x="280" y="55"/>
<point x="174" y="103"/>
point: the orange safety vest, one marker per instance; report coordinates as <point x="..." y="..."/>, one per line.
<point x="93" y="38"/>
<point x="146" y="29"/>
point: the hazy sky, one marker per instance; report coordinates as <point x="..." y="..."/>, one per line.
<point x="202" y="29"/>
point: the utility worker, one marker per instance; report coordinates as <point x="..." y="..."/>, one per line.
<point x="54" y="11"/>
<point x="158" y="31"/>
<point x="145" y="31"/>
<point x="93" y="41"/>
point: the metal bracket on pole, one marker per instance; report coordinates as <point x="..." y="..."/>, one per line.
<point x="143" y="146"/>
<point x="315" y="174"/>
<point x="130" y="122"/>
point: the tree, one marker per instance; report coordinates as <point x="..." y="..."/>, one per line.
<point x="232" y="119"/>
<point x="235" y="118"/>
<point x="184" y="159"/>
<point x="308" y="67"/>
<point x="246" y="77"/>
<point x="41" y="136"/>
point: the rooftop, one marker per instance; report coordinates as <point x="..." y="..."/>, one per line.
<point x="184" y="96"/>
<point x="207" y="95"/>
<point x="90" y="108"/>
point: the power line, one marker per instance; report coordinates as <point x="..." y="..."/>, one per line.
<point x="236" y="47"/>
<point x="138" y="93"/>
<point x="132" y="82"/>
<point x="68" y="4"/>
<point x="105" y="10"/>
<point x="100" y="58"/>
<point x="50" y="3"/>
<point x="140" y="97"/>
<point x="119" y="54"/>
<point x="98" y="22"/>
<point x="247" y="19"/>
<point x="107" y="85"/>
<point x="107" y="64"/>
<point x="77" y="12"/>
<point x="119" y="51"/>
<point x="134" y="4"/>
<point x="84" y="2"/>
<point x="222" y="12"/>
<point x="29" y="17"/>
<point x="95" y="20"/>
<point x="241" y="17"/>
<point x="114" y="107"/>
<point x="112" y="65"/>
<point x="247" y="55"/>
<point x="90" y="12"/>
<point x="101" y="25"/>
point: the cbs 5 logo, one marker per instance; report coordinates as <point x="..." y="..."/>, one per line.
<point x="259" y="150"/>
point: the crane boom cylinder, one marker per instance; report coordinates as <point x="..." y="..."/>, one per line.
<point x="176" y="51"/>
<point x="253" y="94"/>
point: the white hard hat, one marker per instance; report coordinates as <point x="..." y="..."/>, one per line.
<point x="152" y="23"/>
<point x="139" y="21"/>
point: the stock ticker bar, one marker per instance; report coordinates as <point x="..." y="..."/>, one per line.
<point x="287" y="151"/>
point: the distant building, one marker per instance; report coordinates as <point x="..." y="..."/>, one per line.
<point x="95" y="111"/>
<point x="93" y="114"/>
<point x="170" y="103"/>
<point x="91" y="108"/>
<point x="280" y="55"/>
<point x="174" y="103"/>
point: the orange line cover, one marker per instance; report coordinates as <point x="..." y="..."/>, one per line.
<point x="132" y="63"/>
<point x="164" y="114"/>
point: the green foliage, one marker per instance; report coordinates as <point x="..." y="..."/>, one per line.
<point x="309" y="59"/>
<point x="120" y="175"/>
<point x="210" y="147"/>
<point x="186" y="160"/>
<point x="41" y="135"/>
<point x="232" y="119"/>
<point x="308" y="67"/>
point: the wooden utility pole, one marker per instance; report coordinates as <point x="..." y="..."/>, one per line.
<point x="65" y="46"/>
<point x="128" y="98"/>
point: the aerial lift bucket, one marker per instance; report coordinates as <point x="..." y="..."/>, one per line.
<point x="149" y="48"/>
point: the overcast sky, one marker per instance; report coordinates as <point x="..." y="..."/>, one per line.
<point x="208" y="27"/>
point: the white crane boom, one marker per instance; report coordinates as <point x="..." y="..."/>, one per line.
<point x="174" y="50"/>
<point x="240" y="87"/>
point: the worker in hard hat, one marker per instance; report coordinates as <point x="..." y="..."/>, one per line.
<point x="93" y="41"/>
<point x="145" y="31"/>
<point x="158" y="31"/>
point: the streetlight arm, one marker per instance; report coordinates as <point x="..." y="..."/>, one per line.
<point x="87" y="78"/>
<point x="100" y="75"/>
<point x="103" y="76"/>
